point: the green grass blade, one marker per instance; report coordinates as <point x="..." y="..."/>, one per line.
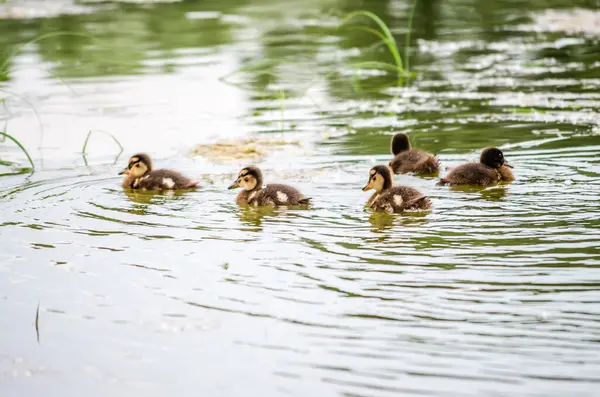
<point x="20" y="147"/>
<point x="390" y="40"/>
<point x="3" y="138"/>
<point x="373" y="31"/>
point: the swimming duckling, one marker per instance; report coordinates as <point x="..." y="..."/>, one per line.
<point x="140" y="175"/>
<point x="410" y="160"/>
<point x="393" y="199"/>
<point x="492" y="168"/>
<point x="251" y="180"/>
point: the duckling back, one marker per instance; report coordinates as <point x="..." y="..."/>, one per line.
<point x="165" y="180"/>
<point x="276" y="195"/>
<point x="399" y="199"/>
<point x="414" y="161"/>
<point x="472" y="174"/>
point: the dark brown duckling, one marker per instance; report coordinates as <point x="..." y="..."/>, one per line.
<point x="410" y="160"/>
<point x="393" y="199"/>
<point x="140" y="175"/>
<point x="492" y="168"/>
<point x="250" y="179"/>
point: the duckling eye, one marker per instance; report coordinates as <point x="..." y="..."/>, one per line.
<point x="246" y="179"/>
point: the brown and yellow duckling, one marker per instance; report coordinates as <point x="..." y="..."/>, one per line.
<point x="408" y="159"/>
<point x="492" y="168"/>
<point x="393" y="199"/>
<point x="140" y="175"/>
<point x="250" y="179"/>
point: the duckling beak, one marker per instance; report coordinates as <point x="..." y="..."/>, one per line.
<point x="234" y="186"/>
<point x="125" y="172"/>
<point x="368" y="187"/>
<point x="507" y="165"/>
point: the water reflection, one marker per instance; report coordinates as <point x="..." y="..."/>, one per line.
<point x="493" y="291"/>
<point x="382" y="221"/>
<point x="491" y="193"/>
<point x="495" y="193"/>
<point x="154" y="197"/>
<point x="253" y="216"/>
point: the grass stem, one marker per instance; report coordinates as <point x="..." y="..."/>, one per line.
<point x="384" y="34"/>
<point x="37" y="322"/>
<point x="20" y="147"/>
<point x="87" y="138"/>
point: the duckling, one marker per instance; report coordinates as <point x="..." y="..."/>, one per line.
<point x="140" y="175"/>
<point x="492" y="168"/>
<point x="410" y="160"/>
<point x="250" y="179"/>
<point x="393" y="199"/>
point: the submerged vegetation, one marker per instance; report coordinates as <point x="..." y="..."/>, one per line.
<point x="253" y="148"/>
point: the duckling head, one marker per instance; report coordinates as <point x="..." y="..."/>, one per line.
<point x="138" y="166"/>
<point x="400" y="143"/>
<point x="249" y="178"/>
<point x="493" y="157"/>
<point x="380" y="178"/>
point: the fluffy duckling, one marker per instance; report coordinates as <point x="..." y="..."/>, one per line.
<point x="408" y="159"/>
<point x="393" y="199"/>
<point x="492" y="168"/>
<point x="140" y="175"/>
<point x="250" y="179"/>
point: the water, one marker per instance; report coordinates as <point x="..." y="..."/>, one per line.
<point x="495" y="292"/>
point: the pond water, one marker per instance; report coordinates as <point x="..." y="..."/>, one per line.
<point x="495" y="292"/>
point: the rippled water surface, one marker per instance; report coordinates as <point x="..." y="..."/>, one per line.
<point x="495" y="292"/>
